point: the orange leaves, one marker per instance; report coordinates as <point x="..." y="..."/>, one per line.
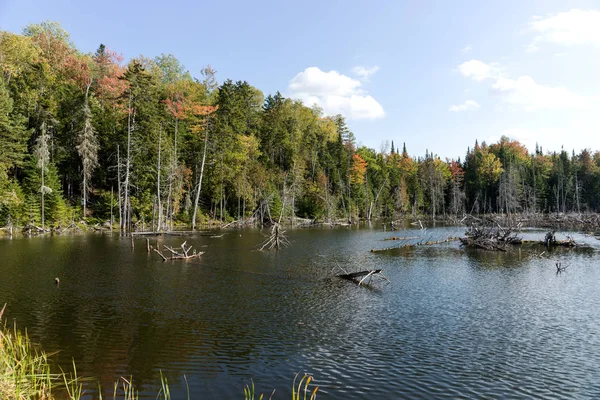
<point x="358" y="170"/>
<point x="202" y="115"/>
<point x="78" y="69"/>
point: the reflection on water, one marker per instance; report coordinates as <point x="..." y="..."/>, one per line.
<point x="453" y="323"/>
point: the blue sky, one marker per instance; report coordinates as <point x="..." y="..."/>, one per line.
<point x="434" y="74"/>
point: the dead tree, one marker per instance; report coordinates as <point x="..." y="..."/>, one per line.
<point x="176" y="254"/>
<point x="361" y="276"/>
<point x="276" y="240"/>
<point x="550" y="239"/>
<point x="490" y="238"/>
<point x="560" y="269"/>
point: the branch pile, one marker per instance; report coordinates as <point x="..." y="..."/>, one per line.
<point x="276" y="240"/>
<point x="490" y="238"/>
<point x="176" y="254"/>
<point x="550" y="240"/>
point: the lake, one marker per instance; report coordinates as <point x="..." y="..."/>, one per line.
<point x="452" y="323"/>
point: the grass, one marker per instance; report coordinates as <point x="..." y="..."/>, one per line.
<point x="25" y="373"/>
<point x="24" y="370"/>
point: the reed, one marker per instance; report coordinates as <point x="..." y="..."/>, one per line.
<point x="25" y="373"/>
<point x="24" y="370"/>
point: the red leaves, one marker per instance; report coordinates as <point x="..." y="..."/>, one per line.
<point x="177" y="108"/>
<point x="78" y="69"/>
<point x="456" y="170"/>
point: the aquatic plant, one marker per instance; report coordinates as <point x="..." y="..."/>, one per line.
<point x="303" y="386"/>
<point x="25" y="373"/>
<point x="24" y="370"/>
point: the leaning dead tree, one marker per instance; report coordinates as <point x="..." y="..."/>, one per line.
<point x="360" y="277"/>
<point x="493" y="238"/>
<point x="276" y="240"/>
<point x="179" y="254"/>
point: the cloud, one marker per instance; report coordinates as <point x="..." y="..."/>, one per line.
<point x="364" y="73"/>
<point x="466" y="49"/>
<point x="525" y="92"/>
<point x="335" y="93"/>
<point x="569" y="28"/>
<point x="468" y="105"/>
<point x="478" y="70"/>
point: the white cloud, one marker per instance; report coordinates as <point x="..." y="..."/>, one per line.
<point x="335" y="93"/>
<point x="364" y="73"/>
<point x="569" y="28"/>
<point x="466" y="49"/>
<point x="525" y="92"/>
<point x="478" y="70"/>
<point x="468" y="105"/>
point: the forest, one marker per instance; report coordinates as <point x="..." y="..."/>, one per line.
<point x="88" y="138"/>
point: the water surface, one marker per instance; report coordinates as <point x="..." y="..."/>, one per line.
<point x="451" y="324"/>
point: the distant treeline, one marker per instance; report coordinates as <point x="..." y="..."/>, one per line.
<point x="85" y="136"/>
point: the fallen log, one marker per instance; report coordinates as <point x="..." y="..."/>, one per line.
<point x="361" y="276"/>
<point x="412" y="245"/>
<point x="183" y="254"/>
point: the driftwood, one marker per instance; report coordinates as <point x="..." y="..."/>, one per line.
<point x="30" y="229"/>
<point x="560" y="269"/>
<point x="276" y="240"/>
<point x="176" y="254"/>
<point x="401" y="238"/>
<point x="550" y="241"/>
<point x="361" y="276"/>
<point x="423" y="242"/>
<point x="162" y="233"/>
<point x="490" y="238"/>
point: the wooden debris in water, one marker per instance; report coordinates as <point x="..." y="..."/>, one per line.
<point x="490" y="238"/>
<point x="176" y="254"/>
<point x="401" y="238"/>
<point x="550" y="241"/>
<point x="276" y="240"/>
<point x="413" y="245"/>
<point x="361" y="276"/>
<point x="560" y="269"/>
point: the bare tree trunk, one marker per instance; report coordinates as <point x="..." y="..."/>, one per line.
<point x="369" y="214"/>
<point x="130" y="127"/>
<point x="199" y="187"/>
<point x="119" y="189"/>
<point x="158" y="173"/>
<point x="43" y="192"/>
<point x="169" y="215"/>
<point x="111" y="209"/>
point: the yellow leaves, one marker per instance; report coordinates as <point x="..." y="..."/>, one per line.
<point x="490" y="168"/>
<point x="358" y="170"/>
<point x="249" y="146"/>
<point x="329" y="129"/>
<point x="17" y="53"/>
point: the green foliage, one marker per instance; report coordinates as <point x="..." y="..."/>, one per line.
<point x="81" y="110"/>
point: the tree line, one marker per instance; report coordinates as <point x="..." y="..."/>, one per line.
<point x="86" y="136"/>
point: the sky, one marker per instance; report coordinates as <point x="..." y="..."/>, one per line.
<point x="436" y="75"/>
